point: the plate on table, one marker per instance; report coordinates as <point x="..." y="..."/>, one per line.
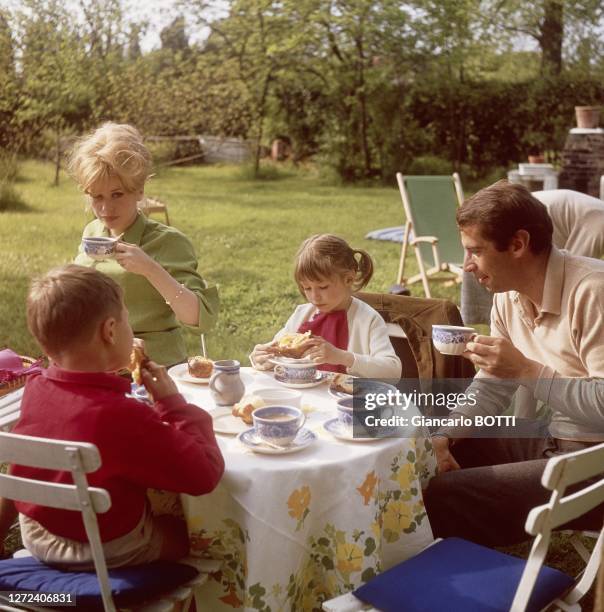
<point x="339" y="431"/>
<point x="320" y="377"/>
<point x="249" y="439"/>
<point x="181" y="372"/>
<point x="225" y="423"/>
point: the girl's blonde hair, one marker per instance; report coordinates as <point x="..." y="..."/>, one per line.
<point x="111" y="150"/>
<point x="325" y="255"/>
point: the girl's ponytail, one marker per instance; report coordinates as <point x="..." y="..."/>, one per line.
<point x="365" y="269"/>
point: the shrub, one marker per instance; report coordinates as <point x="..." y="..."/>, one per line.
<point x="9" y="168"/>
<point x="9" y="172"/>
<point x="429" y="165"/>
<point x="9" y="198"/>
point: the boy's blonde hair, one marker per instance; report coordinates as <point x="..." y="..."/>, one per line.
<point x="325" y="255"/>
<point x="66" y="304"/>
<point x="112" y="150"/>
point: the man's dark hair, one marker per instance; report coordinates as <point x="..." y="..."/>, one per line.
<point x="502" y="209"/>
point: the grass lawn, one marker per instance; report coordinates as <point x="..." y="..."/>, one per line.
<point x="246" y="234"/>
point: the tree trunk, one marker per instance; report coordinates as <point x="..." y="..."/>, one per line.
<point x="58" y="157"/>
<point x="362" y="98"/>
<point x="551" y="37"/>
<point x="261" y="113"/>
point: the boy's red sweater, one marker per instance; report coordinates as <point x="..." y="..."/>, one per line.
<point x="171" y="446"/>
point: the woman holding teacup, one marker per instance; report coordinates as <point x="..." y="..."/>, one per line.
<point x="155" y="265"/>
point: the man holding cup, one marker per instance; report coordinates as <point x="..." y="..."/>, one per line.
<point x="545" y="337"/>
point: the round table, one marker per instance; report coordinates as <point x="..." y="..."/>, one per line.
<point x="294" y="530"/>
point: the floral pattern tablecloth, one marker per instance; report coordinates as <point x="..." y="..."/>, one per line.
<point x="295" y="530"/>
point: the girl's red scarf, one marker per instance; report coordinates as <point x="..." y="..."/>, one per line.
<point x="333" y="327"/>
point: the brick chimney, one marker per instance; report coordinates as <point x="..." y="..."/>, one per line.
<point x="583" y="161"/>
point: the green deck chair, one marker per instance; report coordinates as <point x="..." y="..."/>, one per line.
<point x="430" y="204"/>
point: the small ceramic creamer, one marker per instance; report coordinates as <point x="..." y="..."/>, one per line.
<point x="226" y="385"/>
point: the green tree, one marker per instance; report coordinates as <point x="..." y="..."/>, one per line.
<point x="555" y="25"/>
<point x="174" y="37"/>
<point x="9" y="86"/>
<point x="257" y="41"/>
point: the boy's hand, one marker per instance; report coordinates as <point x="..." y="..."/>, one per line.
<point x="157" y="380"/>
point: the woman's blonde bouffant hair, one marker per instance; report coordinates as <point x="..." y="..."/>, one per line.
<point x="325" y="255"/>
<point x="111" y="150"/>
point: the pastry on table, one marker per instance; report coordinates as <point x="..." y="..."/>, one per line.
<point x="342" y="383"/>
<point x="200" y="367"/>
<point x="246" y="406"/>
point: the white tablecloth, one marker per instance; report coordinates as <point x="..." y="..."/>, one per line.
<point x="294" y="530"/>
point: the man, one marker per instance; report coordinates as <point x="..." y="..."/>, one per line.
<point x="578" y="221"/>
<point x="546" y="335"/>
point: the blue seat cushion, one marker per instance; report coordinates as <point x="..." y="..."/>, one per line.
<point x="459" y="576"/>
<point x="129" y="585"/>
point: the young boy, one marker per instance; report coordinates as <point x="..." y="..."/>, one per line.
<point x="78" y="316"/>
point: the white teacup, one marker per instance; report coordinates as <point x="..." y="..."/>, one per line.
<point x="99" y="247"/>
<point x="451" y="339"/>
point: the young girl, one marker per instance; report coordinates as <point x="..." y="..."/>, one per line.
<point x="350" y="335"/>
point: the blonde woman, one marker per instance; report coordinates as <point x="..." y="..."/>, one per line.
<point x="155" y="265"/>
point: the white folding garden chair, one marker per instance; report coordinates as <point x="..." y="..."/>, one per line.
<point x="456" y="575"/>
<point x="154" y="587"/>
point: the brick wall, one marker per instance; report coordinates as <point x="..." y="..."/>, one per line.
<point x="582" y="163"/>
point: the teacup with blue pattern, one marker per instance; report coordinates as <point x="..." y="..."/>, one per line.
<point x="451" y="339"/>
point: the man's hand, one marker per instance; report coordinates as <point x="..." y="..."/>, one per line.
<point x="499" y="357"/>
<point x="444" y="459"/>
<point x="157" y="380"/>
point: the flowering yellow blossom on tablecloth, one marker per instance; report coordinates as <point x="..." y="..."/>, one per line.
<point x="298" y="503"/>
<point x="366" y="489"/>
<point x="398" y="516"/>
<point x="349" y="558"/>
<point x="405" y="476"/>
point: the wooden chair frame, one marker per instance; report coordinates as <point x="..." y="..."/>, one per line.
<point x="439" y="266"/>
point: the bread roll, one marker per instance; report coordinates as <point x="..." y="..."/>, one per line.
<point x="200" y="367"/>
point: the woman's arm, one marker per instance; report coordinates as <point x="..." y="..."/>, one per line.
<point x="172" y="270"/>
<point x="181" y="300"/>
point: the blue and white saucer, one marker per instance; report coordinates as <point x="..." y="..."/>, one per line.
<point x="319" y="378"/>
<point x="304" y="438"/>
<point x="341" y="432"/>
